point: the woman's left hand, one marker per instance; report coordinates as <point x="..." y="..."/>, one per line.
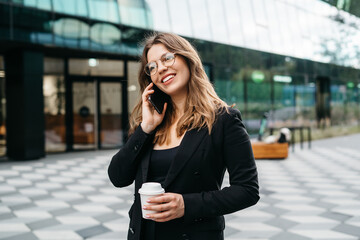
<point x="169" y="206"/>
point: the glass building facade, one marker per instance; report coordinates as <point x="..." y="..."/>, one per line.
<point x="297" y="60"/>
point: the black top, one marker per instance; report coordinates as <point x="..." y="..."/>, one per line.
<point x="160" y="162"/>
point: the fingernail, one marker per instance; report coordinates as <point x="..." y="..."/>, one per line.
<point x="148" y="201"/>
<point x="148" y="216"/>
<point x="144" y="207"/>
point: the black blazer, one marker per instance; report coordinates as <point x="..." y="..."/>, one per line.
<point x="197" y="173"/>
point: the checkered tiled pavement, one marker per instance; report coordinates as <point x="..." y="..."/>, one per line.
<point x="314" y="194"/>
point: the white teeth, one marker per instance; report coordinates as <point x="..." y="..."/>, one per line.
<point x="168" y="78"/>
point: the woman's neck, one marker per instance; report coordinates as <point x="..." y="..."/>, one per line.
<point x="179" y="104"/>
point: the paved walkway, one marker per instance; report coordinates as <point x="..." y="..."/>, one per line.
<point x="314" y="194"/>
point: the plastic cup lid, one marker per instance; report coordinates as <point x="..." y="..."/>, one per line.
<point x="151" y="188"/>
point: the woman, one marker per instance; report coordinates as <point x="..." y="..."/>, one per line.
<point x="186" y="148"/>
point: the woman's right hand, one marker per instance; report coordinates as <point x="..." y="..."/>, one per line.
<point x="150" y="117"/>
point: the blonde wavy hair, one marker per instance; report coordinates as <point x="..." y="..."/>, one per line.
<point x="202" y="105"/>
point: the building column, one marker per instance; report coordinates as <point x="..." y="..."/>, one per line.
<point x="25" y="123"/>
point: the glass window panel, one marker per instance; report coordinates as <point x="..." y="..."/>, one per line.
<point x="111" y="134"/>
<point x="180" y="17"/>
<point x="1" y="63"/>
<point x="96" y="67"/>
<point x="284" y="102"/>
<point x="4" y="21"/>
<point x="258" y="97"/>
<point x="305" y="100"/>
<point x="231" y="90"/>
<point x="38" y="30"/>
<point x="84" y="113"/>
<point x="53" y="66"/>
<point x="106" y="10"/>
<point x="2" y="109"/>
<point x="276" y="39"/>
<point x="199" y="19"/>
<point x="248" y="25"/>
<point x="71" y="32"/>
<point x="218" y="21"/>
<point x="159" y="14"/>
<point x="133" y="85"/>
<point x="233" y="22"/>
<point x="133" y="12"/>
<point x="352" y="109"/>
<point x="259" y="12"/>
<point x="338" y="102"/>
<point x="105" y="34"/>
<point x="303" y="23"/>
<point x="281" y="10"/>
<point x="295" y="34"/>
<point x="43" y="4"/>
<point x="264" y="38"/>
<point x="54" y="105"/>
<point x="78" y="7"/>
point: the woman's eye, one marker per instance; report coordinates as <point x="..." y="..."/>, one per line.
<point x="169" y="57"/>
<point x="152" y="66"/>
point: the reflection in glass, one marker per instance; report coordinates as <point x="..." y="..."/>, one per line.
<point x="258" y="96"/>
<point x="133" y="13"/>
<point x="261" y="17"/>
<point x="96" y="67"/>
<point x="43" y="4"/>
<point x="305" y="101"/>
<point x="84" y="113"/>
<point x="180" y="17"/>
<point x="54" y="105"/>
<point x="105" y="10"/>
<point x="234" y="22"/>
<point x="36" y="30"/>
<point x="71" y="32"/>
<point x="2" y="109"/>
<point x="217" y="21"/>
<point x="78" y="7"/>
<point x="199" y="19"/>
<point x="284" y="26"/>
<point x="284" y="100"/>
<point x="276" y="40"/>
<point x="111" y="115"/>
<point x="54" y="110"/>
<point x="133" y="84"/>
<point x="248" y="24"/>
<point x="104" y="35"/>
<point x="159" y="15"/>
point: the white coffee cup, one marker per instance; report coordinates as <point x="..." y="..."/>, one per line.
<point x="148" y="190"/>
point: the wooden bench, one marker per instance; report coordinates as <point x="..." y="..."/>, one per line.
<point x="263" y="150"/>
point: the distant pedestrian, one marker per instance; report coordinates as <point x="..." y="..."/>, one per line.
<point x="186" y="147"/>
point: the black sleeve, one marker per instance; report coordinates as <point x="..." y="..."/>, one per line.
<point x="124" y="164"/>
<point x="243" y="190"/>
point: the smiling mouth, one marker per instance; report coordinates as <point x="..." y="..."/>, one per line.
<point x="168" y="78"/>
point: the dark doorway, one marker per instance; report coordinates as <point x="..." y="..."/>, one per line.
<point x="323" y="98"/>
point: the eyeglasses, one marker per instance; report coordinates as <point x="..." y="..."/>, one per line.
<point x="167" y="60"/>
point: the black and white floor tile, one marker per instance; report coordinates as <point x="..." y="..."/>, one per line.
<point x="314" y="194"/>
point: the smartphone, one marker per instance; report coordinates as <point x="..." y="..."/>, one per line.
<point x="158" y="99"/>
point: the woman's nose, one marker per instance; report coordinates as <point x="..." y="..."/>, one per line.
<point x="161" y="67"/>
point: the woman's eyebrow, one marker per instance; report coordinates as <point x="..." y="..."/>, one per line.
<point x="159" y="58"/>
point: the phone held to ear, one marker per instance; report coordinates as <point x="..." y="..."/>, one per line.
<point x="158" y="99"/>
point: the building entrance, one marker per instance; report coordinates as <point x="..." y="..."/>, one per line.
<point x="97" y="113"/>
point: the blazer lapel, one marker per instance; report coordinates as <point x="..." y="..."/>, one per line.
<point x="187" y="148"/>
<point x="145" y="163"/>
